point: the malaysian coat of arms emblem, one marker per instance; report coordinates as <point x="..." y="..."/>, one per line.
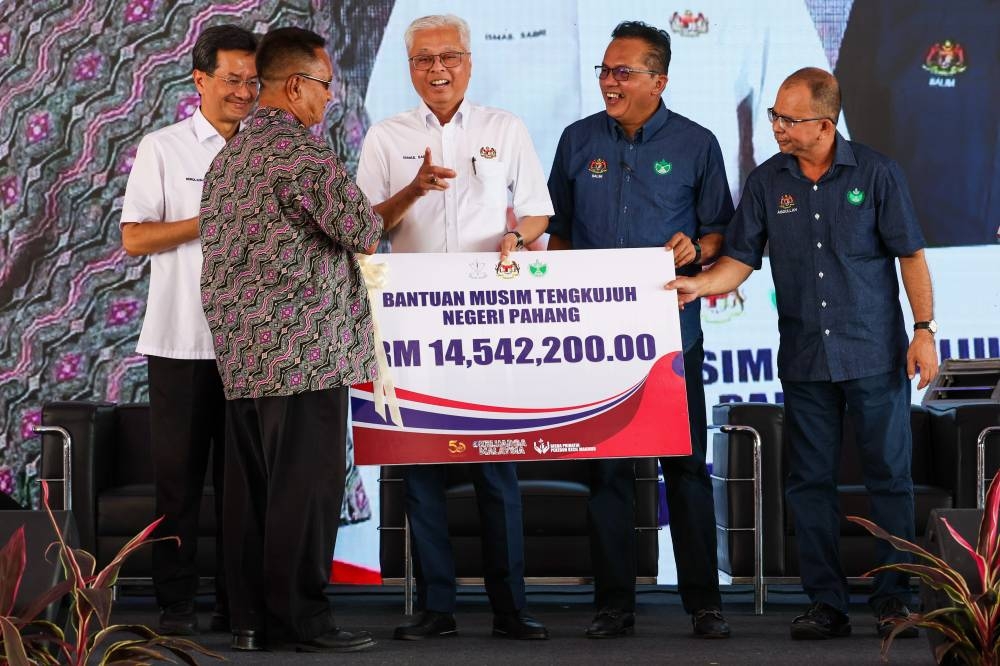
<point x="687" y="24"/>
<point x="945" y="58"/>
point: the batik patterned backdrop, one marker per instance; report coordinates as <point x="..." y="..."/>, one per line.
<point x="80" y="83"/>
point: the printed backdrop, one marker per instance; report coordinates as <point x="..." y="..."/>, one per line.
<point x="80" y="83"/>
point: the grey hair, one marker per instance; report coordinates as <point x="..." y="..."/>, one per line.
<point x="438" y="21"/>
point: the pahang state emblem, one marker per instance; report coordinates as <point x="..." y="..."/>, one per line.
<point x="687" y="24"/>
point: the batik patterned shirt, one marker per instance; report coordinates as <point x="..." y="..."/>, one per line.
<point x="281" y="288"/>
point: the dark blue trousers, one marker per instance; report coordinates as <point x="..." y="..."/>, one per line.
<point x="692" y="514"/>
<point x="814" y="417"/>
<point x="499" y="500"/>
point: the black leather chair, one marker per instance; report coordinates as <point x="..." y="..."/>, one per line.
<point x="943" y="468"/>
<point x="111" y="480"/>
<point x="554" y="498"/>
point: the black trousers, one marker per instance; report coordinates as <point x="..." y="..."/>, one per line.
<point x="285" y="470"/>
<point x="187" y="427"/>
<point x="692" y="514"/>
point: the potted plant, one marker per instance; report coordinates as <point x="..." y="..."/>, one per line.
<point x="969" y="621"/>
<point x="25" y="639"/>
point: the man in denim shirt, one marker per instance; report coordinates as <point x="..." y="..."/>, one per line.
<point x="836" y="215"/>
<point x="640" y="175"/>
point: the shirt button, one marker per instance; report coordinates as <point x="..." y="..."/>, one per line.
<point x="827" y="331"/>
<point x="815" y="187"/>
<point x="823" y="304"/>
<point x="816" y="216"/>
<point x="821" y="275"/>
<point x="819" y="245"/>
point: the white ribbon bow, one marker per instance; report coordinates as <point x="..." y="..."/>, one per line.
<point x="376" y="275"/>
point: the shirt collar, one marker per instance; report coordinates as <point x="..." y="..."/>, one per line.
<point x="203" y="130"/>
<point x="430" y="120"/>
<point x="843" y="155"/>
<point x="273" y="113"/>
<point x="651" y="126"/>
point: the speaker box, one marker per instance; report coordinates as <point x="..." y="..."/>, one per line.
<point x="40" y="572"/>
<point x="941" y="543"/>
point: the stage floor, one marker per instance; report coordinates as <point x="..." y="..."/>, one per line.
<point x="663" y="632"/>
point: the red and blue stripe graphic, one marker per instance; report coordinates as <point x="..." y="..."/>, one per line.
<point x="647" y="418"/>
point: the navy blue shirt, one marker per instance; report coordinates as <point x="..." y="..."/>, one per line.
<point x="610" y="192"/>
<point x="832" y="247"/>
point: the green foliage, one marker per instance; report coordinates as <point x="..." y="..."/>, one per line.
<point x="971" y="624"/>
<point x="26" y="640"/>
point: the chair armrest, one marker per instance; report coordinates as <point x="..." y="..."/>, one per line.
<point x="953" y="448"/>
<point x="91" y="427"/>
<point x="732" y="458"/>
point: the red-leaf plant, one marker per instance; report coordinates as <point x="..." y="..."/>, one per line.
<point x="971" y="624"/>
<point x="26" y="640"/>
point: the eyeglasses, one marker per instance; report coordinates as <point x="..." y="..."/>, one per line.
<point x="449" y="59"/>
<point x="784" y="122"/>
<point x="620" y="73"/>
<point x="326" y="84"/>
<point x="234" y="84"/>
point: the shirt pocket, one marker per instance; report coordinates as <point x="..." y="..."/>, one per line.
<point x="856" y="232"/>
<point x="489" y="184"/>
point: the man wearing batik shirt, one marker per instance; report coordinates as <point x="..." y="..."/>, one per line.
<point x="292" y="329"/>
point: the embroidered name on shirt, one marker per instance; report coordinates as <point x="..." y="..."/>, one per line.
<point x="413" y="157"/>
<point x="195" y="180"/>
<point x="786" y="204"/>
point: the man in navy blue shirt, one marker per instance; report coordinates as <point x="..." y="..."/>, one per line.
<point x="836" y="215"/>
<point x="639" y="175"/>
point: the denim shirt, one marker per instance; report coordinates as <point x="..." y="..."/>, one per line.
<point x="833" y="246"/>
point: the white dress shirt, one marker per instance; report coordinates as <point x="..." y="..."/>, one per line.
<point x="496" y="166"/>
<point x="165" y="186"/>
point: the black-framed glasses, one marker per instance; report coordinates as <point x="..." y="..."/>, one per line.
<point x="449" y="59"/>
<point x="620" y="73"/>
<point x="784" y="122"/>
<point x="326" y="84"/>
<point x="234" y="84"/>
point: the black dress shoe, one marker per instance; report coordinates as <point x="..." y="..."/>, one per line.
<point x="337" y="640"/>
<point x="179" y="619"/>
<point x="518" y="625"/>
<point x="709" y="623"/>
<point x="612" y="623"/>
<point x="430" y="624"/>
<point x="890" y="613"/>
<point x="247" y="640"/>
<point x="819" y="622"/>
